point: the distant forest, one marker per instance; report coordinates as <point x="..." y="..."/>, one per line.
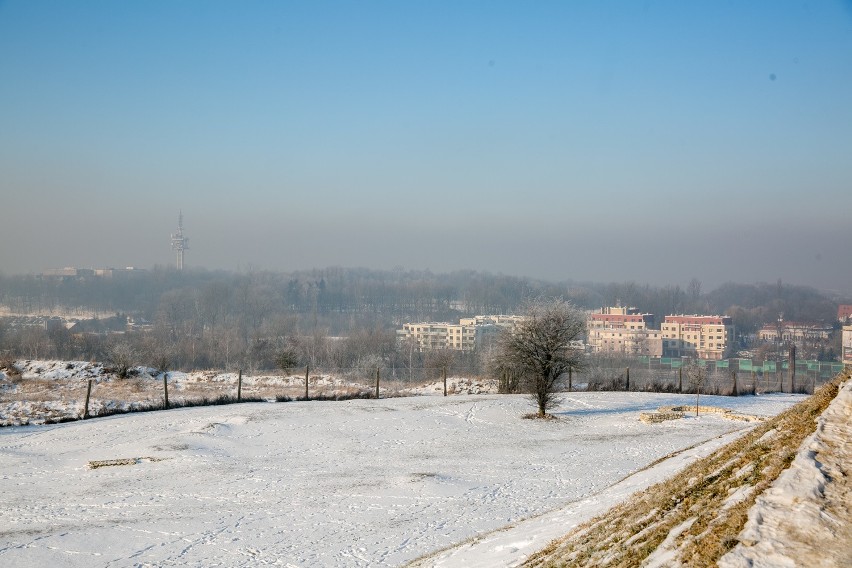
<point x="224" y="316"/>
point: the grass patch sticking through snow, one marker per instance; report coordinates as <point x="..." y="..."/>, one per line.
<point x="95" y="464"/>
<point x="699" y="512"/>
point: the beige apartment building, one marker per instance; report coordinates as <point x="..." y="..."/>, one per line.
<point x="623" y="330"/>
<point x="704" y="337"/>
<point x="846" y="345"/>
<point x="466" y="335"/>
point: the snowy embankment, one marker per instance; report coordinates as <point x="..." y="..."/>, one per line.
<point x="805" y="515"/>
<point x="743" y="496"/>
<point x="351" y="483"/>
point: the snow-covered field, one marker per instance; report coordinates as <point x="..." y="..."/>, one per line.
<point x="350" y="483"/>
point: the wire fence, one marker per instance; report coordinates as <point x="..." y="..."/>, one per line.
<point x="35" y="397"/>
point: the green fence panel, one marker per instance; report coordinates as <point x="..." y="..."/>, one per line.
<point x="722" y="364"/>
<point x="836" y="367"/>
<point x="813" y="365"/>
<point x="745" y="365"/>
<point x="702" y="363"/>
<point x="769" y="367"/>
<point x="677" y="363"/>
<point x="644" y="359"/>
<point x="665" y="361"/>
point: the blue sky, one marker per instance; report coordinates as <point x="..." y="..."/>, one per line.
<point x="611" y="141"/>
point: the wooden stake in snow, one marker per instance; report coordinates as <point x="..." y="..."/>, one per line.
<point x="680" y="380"/>
<point x="307" y="373"/>
<point x="86" y="406"/>
<point x="240" y="386"/>
<point x="444" y="374"/>
<point x="627" y="374"/>
<point x="377" y="382"/>
<point x="166" y="390"/>
<point x="570" y="377"/>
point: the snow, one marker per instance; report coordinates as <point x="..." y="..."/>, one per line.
<point x="349" y="483"/>
<point x="791" y="523"/>
<point x="665" y="555"/>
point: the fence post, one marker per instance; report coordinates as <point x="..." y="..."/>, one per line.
<point x="240" y="386"/>
<point x="166" y="390"/>
<point x="792" y="365"/>
<point x="377" y="382"/>
<point x="680" y="380"/>
<point x="307" y="373"/>
<point x="444" y="374"/>
<point x="570" y="377"/>
<point x="86" y="406"/>
<point x="627" y="374"/>
<point x="754" y="382"/>
<point x="736" y="391"/>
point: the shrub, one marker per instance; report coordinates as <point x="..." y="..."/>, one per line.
<point x="8" y="365"/>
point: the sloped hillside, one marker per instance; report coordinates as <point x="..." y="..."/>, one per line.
<point x="699" y="516"/>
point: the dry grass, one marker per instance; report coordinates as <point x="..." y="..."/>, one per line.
<point x="537" y="416"/>
<point x="95" y="464"/>
<point x="34" y="400"/>
<point x="677" y="412"/>
<point x="8" y="366"/>
<point x="702" y="509"/>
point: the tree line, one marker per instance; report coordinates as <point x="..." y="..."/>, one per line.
<point x="336" y="317"/>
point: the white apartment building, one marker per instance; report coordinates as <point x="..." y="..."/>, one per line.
<point x="466" y="335"/>
<point x="794" y="332"/>
<point x="704" y="337"/>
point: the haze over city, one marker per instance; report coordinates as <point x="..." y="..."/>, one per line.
<point x="605" y="141"/>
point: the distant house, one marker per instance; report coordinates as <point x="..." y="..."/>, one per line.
<point x="68" y="273"/>
<point x="102" y="326"/>
<point x="54" y="323"/>
<point x="844" y="313"/>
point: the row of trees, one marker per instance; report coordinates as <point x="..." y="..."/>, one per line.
<point x="537" y="352"/>
<point x="341" y="300"/>
<point x="534" y="356"/>
<point x="360" y="353"/>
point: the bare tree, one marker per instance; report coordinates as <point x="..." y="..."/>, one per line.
<point x="540" y="347"/>
<point x="439" y="360"/>
<point x="410" y="348"/>
<point x="697" y="377"/>
<point x="122" y="356"/>
<point x="159" y="352"/>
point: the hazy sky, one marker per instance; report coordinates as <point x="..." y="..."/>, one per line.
<point x="607" y="141"/>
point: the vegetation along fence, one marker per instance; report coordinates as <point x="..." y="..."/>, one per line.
<point x="108" y="394"/>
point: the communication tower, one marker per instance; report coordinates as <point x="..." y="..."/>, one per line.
<point x="180" y="242"/>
